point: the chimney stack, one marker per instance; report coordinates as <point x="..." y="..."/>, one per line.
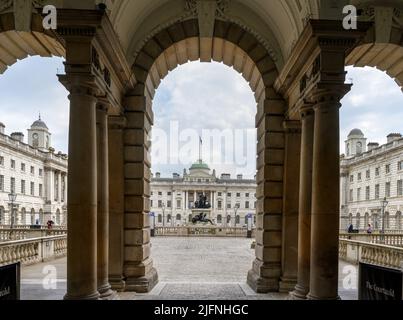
<point x="2" y="128"/>
<point x="372" y="145"/>
<point x="394" y="136"/>
<point x="19" y="136"/>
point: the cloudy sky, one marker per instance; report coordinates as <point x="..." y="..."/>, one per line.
<point x="208" y="100"/>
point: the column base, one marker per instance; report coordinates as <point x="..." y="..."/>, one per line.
<point x="142" y="284"/>
<point x="287" y="284"/>
<point x="106" y="292"/>
<point x="299" y="293"/>
<point x="117" y="283"/>
<point x="312" y="297"/>
<point x="93" y="296"/>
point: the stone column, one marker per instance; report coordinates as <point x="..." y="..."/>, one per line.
<point x="305" y="195"/>
<point x="104" y="288"/>
<point x="289" y="266"/>
<point x="326" y="192"/>
<point x="82" y="191"/>
<point x="116" y="202"/>
<point x="140" y="274"/>
<point x="265" y="274"/>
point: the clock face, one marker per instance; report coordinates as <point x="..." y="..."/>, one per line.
<point x="35" y="136"/>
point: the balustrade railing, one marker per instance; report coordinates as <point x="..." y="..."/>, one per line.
<point x="190" y="231"/>
<point x="390" y="239"/>
<point x="32" y="251"/>
<point x="21" y="234"/>
<point x="377" y="254"/>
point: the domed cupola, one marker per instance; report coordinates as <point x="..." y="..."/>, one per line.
<point x="356" y="143"/>
<point x="39" y="136"/>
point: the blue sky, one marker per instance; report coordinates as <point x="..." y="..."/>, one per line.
<point x="196" y="97"/>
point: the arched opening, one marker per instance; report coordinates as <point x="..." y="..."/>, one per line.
<point x="33" y="217"/>
<point x="398" y="224"/>
<point x="2" y="216"/>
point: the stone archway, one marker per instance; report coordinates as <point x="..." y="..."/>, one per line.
<point x="235" y="47"/>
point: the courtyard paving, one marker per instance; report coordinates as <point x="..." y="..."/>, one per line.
<point x="188" y="268"/>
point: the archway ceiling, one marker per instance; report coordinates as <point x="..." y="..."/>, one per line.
<point x="279" y="22"/>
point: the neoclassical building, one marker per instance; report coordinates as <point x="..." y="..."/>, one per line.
<point x="369" y="174"/>
<point x="292" y="53"/>
<point x="229" y="202"/>
<point x="36" y="174"/>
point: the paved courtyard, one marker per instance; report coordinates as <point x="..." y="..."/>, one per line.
<point x="188" y="268"/>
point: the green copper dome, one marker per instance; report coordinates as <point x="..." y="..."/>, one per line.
<point x="200" y="165"/>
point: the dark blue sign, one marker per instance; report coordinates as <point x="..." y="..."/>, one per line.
<point x="10" y="282"/>
<point x="380" y="283"/>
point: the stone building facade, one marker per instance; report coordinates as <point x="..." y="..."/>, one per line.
<point x="36" y="174"/>
<point x="230" y="202"/>
<point x="369" y="174"/>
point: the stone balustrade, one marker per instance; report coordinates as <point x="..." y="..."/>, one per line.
<point x="31" y="251"/>
<point x="21" y="234"/>
<point x="377" y="254"/>
<point x="390" y="239"/>
<point x="194" y="231"/>
<point x="31" y="227"/>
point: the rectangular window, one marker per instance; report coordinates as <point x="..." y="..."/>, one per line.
<point x="359" y="194"/>
<point x="159" y="203"/>
<point x="351" y="178"/>
<point x="387" y="189"/>
<point x="32" y="170"/>
<point x="169" y="204"/>
<point x="377" y="172"/>
<point x="1" y="161"/>
<point x="169" y="193"/>
<point x="12" y="185"/>
<point x="238" y="195"/>
<point x="32" y="189"/>
<point x="178" y="204"/>
<point x="399" y="165"/>
<point x="219" y="194"/>
<point x="40" y="172"/>
<point x="400" y="187"/>
<point x="63" y="188"/>
<point x="387" y="168"/>
<point x="247" y="195"/>
<point x="151" y="203"/>
<point x="22" y="186"/>
<point x="228" y="194"/>
<point x="12" y="164"/>
<point x="368" y="174"/>
<point x="160" y="193"/>
<point x="40" y="190"/>
<point x="247" y="205"/>
<point x="56" y="187"/>
<point x="377" y="188"/>
<point x="359" y="177"/>
<point x="367" y="193"/>
<point x="23" y="167"/>
<point x="351" y="195"/>
<point x="228" y="205"/>
<point x="219" y="205"/>
<point x="1" y="183"/>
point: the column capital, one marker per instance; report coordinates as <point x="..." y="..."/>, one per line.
<point x="328" y="94"/>
<point x="80" y="85"/>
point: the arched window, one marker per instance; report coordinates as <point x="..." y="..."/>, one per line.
<point x="387" y="220"/>
<point x="178" y="217"/>
<point x="398" y="224"/>
<point x="169" y="218"/>
<point x="228" y="219"/>
<point x="33" y="221"/>
<point x="160" y="218"/>
<point x="358" y="221"/>
<point x="219" y="219"/>
<point x="375" y="221"/>
<point x="58" y="221"/>
<point x="366" y="219"/>
<point x="2" y="216"/>
<point x="359" y="147"/>
<point x="237" y="220"/>
<point x="23" y="216"/>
